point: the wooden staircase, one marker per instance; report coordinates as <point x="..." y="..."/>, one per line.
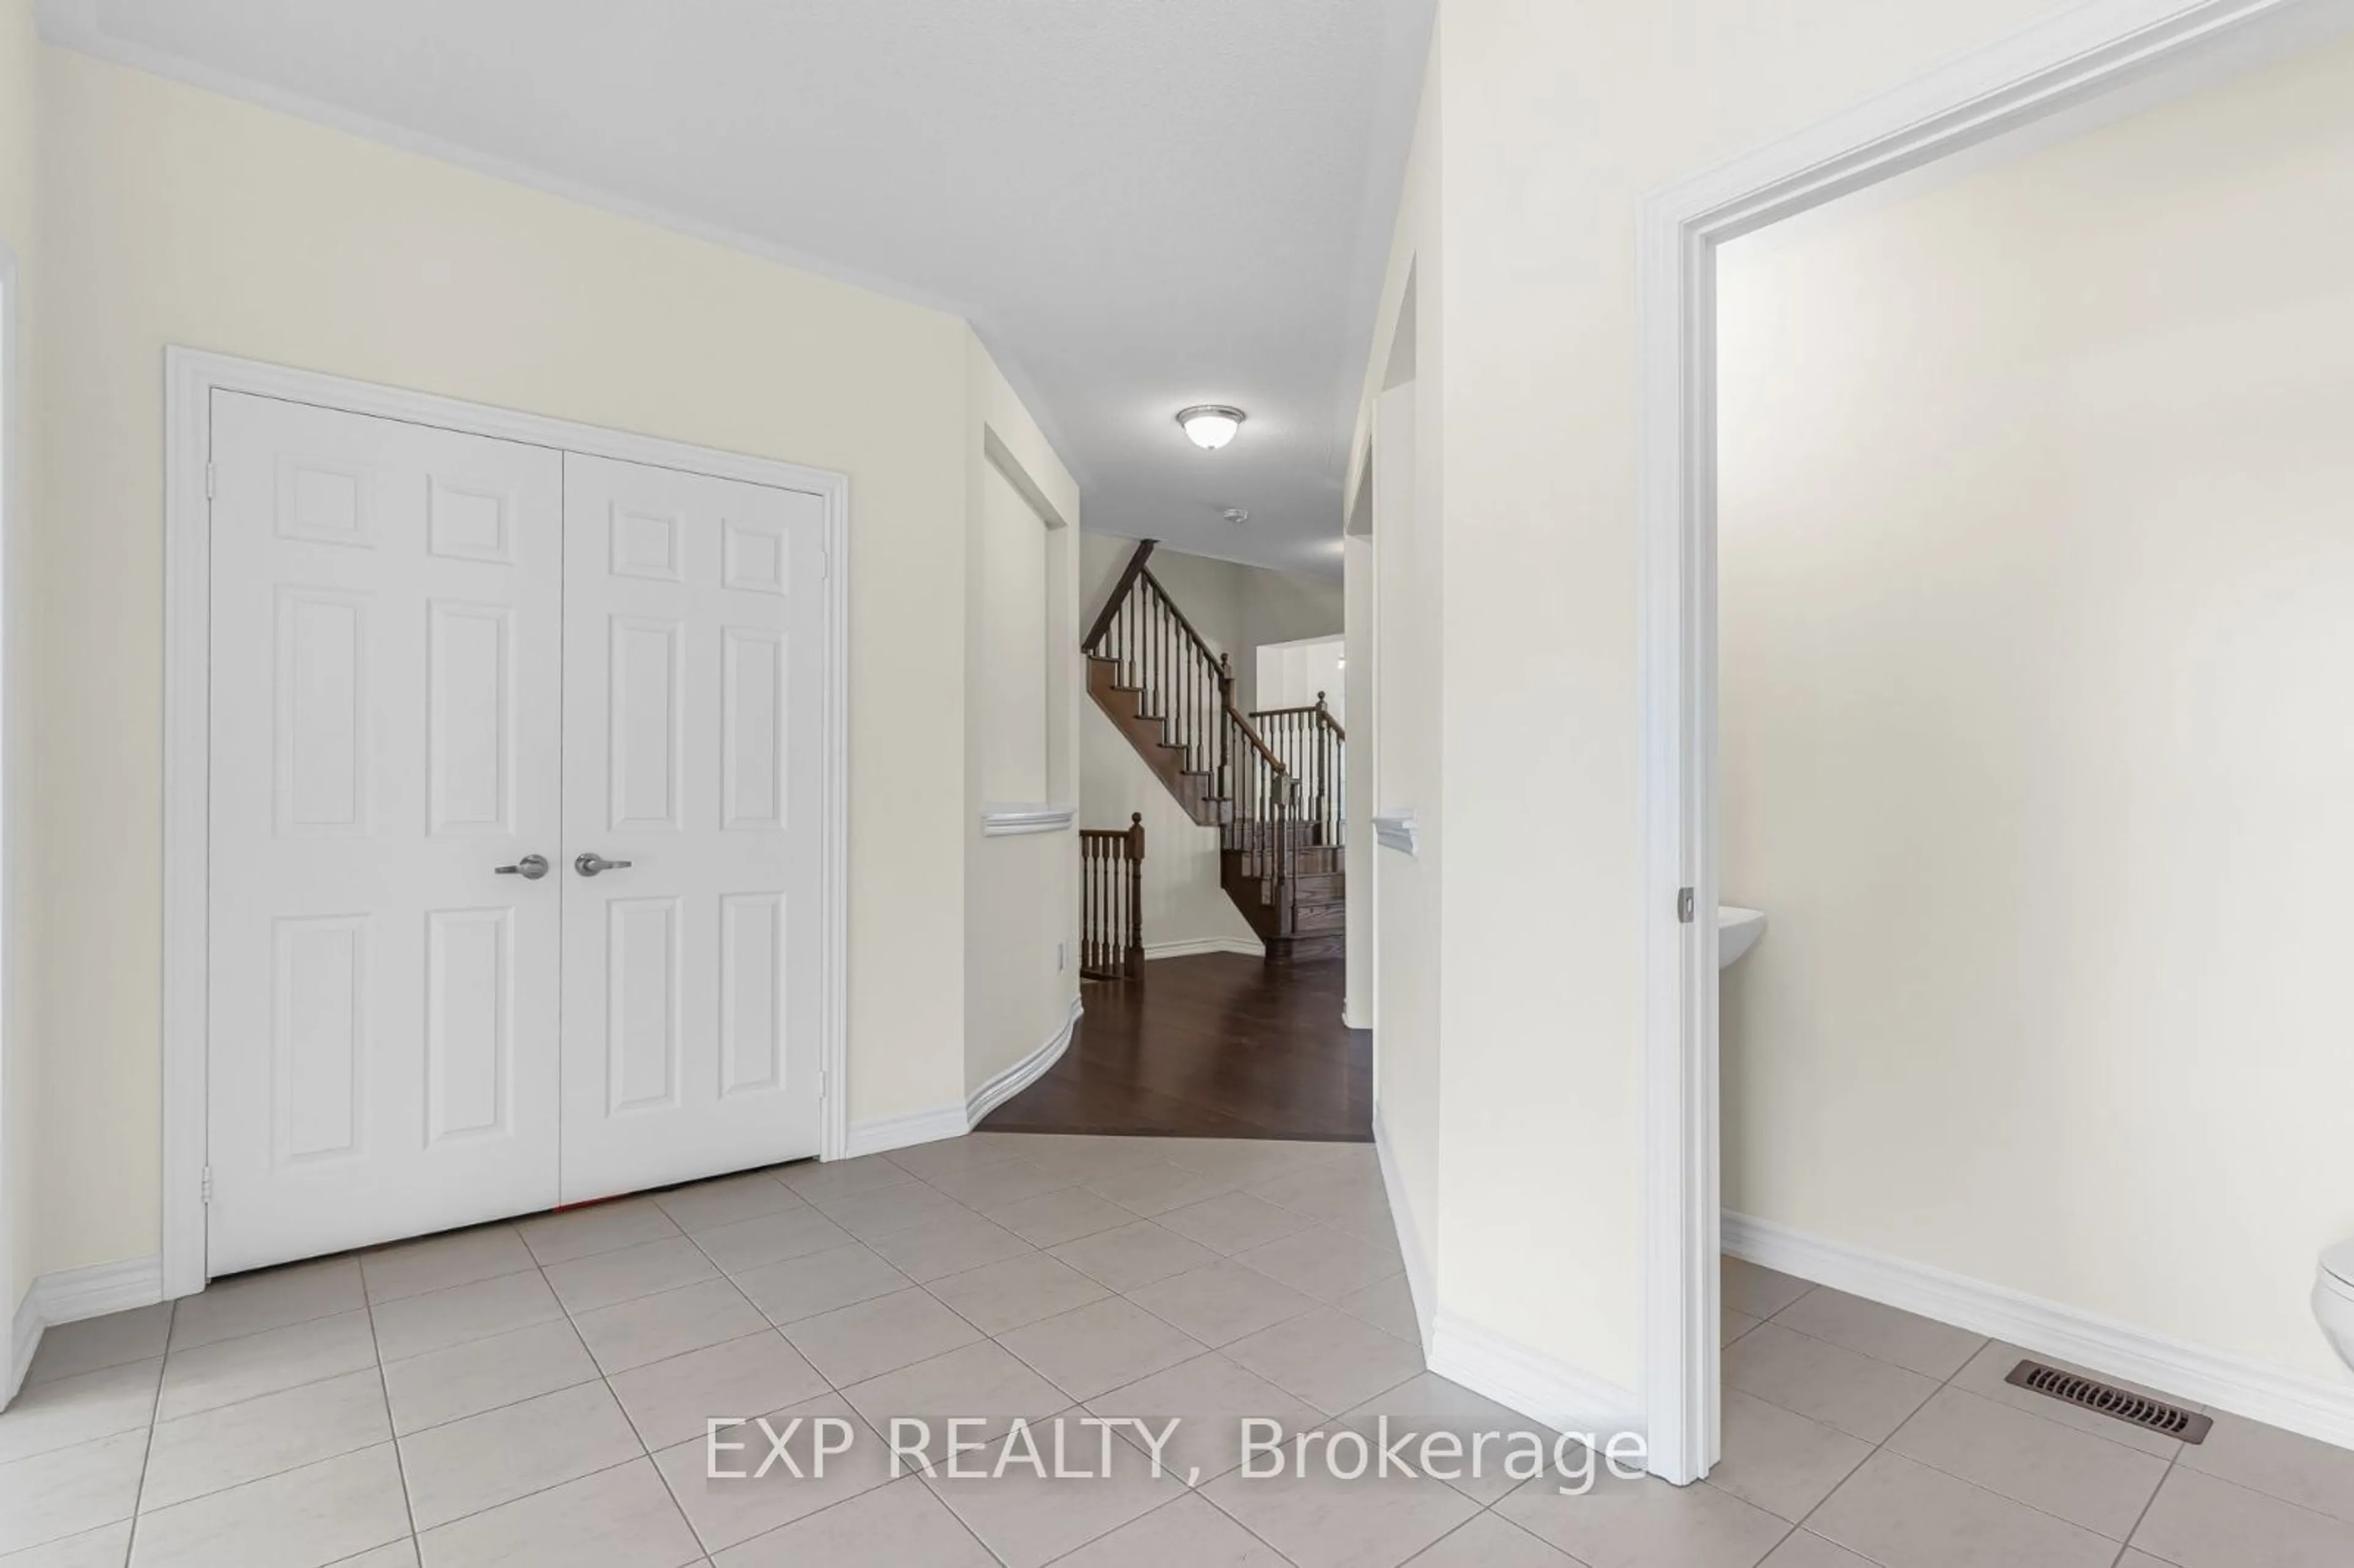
<point x="1268" y="781"/>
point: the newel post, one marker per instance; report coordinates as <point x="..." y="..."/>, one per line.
<point x="1225" y="726"/>
<point x="1134" y="954"/>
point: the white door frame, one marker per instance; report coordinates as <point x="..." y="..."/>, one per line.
<point x="13" y="1366"/>
<point x="191" y="378"/>
<point x="2079" y="55"/>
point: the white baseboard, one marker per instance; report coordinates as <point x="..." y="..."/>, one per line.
<point x="887" y="1133"/>
<point x="24" y="1339"/>
<point x="1022" y="1073"/>
<point x="1564" y="1397"/>
<point x="1543" y="1389"/>
<point x="1417" y="1266"/>
<point x="73" y="1294"/>
<point x="70" y="1296"/>
<point x="2319" y="1407"/>
<point x="1248" y="947"/>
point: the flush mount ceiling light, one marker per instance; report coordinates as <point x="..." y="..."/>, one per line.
<point x="1210" y="426"/>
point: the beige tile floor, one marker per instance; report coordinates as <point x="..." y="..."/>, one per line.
<point x="534" y="1394"/>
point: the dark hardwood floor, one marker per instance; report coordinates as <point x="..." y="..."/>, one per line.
<point x="1215" y="1046"/>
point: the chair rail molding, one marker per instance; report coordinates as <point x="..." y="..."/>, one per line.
<point x="2063" y="64"/>
<point x="1398" y="831"/>
<point x="1009" y="821"/>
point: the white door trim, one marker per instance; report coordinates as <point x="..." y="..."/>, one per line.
<point x="2082" y="53"/>
<point x="12" y="458"/>
<point x="191" y="378"/>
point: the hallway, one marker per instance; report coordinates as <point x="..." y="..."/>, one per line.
<point x="1216" y="1045"/>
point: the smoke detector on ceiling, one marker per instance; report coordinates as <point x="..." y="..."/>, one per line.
<point x="1235" y="515"/>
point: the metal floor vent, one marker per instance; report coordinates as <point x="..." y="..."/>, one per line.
<point x="2124" y="1404"/>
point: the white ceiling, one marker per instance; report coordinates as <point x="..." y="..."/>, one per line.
<point x="1140" y="204"/>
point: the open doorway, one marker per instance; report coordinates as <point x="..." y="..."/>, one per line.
<point x="2040" y="88"/>
<point x="1213" y="826"/>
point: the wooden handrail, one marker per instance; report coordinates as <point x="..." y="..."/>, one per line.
<point x="1330" y="722"/>
<point x="1201" y="643"/>
<point x="1250" y="733"/>
<point x="1110" y="610"/>
<point x="1311" y="745"/>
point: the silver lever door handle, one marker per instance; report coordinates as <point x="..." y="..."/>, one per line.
<point x="531" y="868"/>
<point x="590" y="863"/>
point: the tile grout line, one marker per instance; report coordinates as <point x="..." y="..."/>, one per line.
<point x="154" y="1419"/>
<point x="567" y="1315"/>
<point x="1986" y="1342"/>
<point x="1882" y="1445"/>
<point x="987" y="1338"/>
<point x="571" y="1317"/>
<point x="2148" y="1503"/>
<point x="605" y="1379"/>
<point x="602" y="1378"/>
<point x="384" y="1391"/>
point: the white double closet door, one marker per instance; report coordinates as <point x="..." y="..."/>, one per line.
<point x="435" y="656"/>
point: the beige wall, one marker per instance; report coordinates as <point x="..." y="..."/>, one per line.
<point x="1235" y="608"/>
<point x="2038" y="735"/>
<point x="1022" y="900"/>
<point x="174" y="216"/>
<point x="1008" y="622"/>
<point x="1559" y="116"/>
<point x="19" y="1094"/>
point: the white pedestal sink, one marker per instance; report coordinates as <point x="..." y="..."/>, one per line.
<point x="1737" y="930"/>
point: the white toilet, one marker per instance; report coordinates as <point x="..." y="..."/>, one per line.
<point x="2333" y="1299"/>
